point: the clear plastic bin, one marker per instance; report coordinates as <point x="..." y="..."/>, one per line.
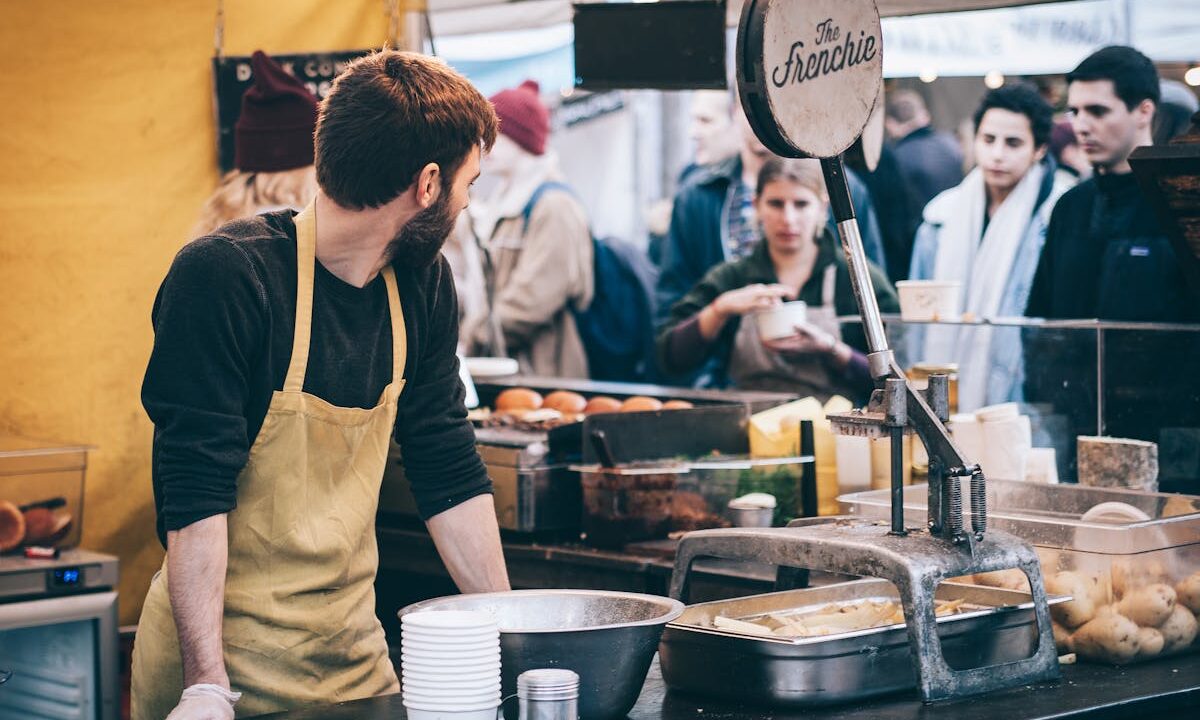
<point x="44" y="482"/>
<point x="1130" y="559"/>
<point x="629" y="503"/>
<point x="721" y="478"/>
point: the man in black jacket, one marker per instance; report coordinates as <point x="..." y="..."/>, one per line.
<point x="1105" y="255"/>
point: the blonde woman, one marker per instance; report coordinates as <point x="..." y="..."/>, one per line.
<point x="796" y="259"/>
<point x="273" y="150"/>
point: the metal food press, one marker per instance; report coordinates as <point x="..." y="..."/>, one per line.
<point x="804" y="118"/>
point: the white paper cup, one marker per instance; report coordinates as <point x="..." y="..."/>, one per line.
<point x="451" y="668"/>
<point x="450" y="641"/>
<point x="444" y="620"/>
<point x="419" y="714"/>
<point x="451" y="700"/>
<point x="781" y="320"/>
<point x="471" y="684"/>
<point x="492" y="631"/>
<point x="448" y="660"/>
<point x="452" y="633"/>
<point x="478" y="674"/>
<point x="449" y="654"/>
<point x="930" y="300"/>
<point x="455" y="690"/>
<point x="450" y="694"/>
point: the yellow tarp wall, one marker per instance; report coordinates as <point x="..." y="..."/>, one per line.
<point x="106" y="152"/>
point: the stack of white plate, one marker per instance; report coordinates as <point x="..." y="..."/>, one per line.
<point x="450" y="665"/>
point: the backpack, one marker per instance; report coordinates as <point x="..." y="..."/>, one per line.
<point x="617" y="327"/>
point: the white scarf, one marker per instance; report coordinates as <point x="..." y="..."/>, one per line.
<point x="983" y="266"/>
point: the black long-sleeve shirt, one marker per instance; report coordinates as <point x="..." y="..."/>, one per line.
<point x="224" y="320"/>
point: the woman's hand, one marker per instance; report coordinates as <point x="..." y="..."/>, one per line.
<point x="809" y="341"/>
<point x="736" y="303"/>
<point x="751" y="298"/>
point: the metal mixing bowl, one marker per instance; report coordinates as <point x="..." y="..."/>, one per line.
<point x="608" y="638"/>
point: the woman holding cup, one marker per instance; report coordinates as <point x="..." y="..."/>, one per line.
<point x="769" y="321"/>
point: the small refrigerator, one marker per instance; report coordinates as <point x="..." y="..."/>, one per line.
<point x="58" y="637"/>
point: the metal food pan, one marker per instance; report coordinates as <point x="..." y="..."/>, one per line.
<point x="697" y="658"/>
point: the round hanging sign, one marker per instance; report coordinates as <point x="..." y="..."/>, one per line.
<point x="809" y="72"/>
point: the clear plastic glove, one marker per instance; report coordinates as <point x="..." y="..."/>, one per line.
<point x="205" y="702"/>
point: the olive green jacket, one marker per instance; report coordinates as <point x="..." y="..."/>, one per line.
<point x="758" y="268"/>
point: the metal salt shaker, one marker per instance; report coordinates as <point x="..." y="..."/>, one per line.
<point x="548" y="694"/>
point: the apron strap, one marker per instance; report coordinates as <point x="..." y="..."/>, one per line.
<point x="306" y="258"/>
<point x="829" y="285"/>
<point x="399" y="330"/>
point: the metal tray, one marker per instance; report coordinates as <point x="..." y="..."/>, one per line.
<point x="796" y="672"/>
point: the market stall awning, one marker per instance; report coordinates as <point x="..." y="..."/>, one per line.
<point x="458" y="17"/>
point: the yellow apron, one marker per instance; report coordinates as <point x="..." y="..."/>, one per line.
<point x="300" y="623"/>
<point x="754" y="367"/>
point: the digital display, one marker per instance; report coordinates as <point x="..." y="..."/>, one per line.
<point x="68" y="577"/>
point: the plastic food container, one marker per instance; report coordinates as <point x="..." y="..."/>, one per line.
<point x="44" y="482"/>
<point x="629" y="503"/>
<point x="929" y="300"/>
<point x="1130" y="559"/>
<point x="721" y="478"/>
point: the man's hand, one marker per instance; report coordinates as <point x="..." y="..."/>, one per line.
<point x="468" y="540"/>
<point x="205" y="702"/>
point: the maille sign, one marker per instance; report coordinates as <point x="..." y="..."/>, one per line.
<point x="809" y="72"/>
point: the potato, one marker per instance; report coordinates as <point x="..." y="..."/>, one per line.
<point x="1062" y="639"/>
<point x="1100" y="587"/>
<point x="1188" y="592"/>
<point x="1150" y="642"/>
<point x="1128" y="575"/>
<point x="1081" y="608"/>
<point x="1110" y="637"/>
<point x="1149" y="606"/>
<point x="1179" y="630"/>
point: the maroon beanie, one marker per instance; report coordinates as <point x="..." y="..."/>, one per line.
<point x="523" y="117"/>
<point x="275" y="130"/>
<point x="1062" y="135"/>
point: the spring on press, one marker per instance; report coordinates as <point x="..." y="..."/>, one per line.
<point x="952" y="502"/>
<point x="978" y="502"/>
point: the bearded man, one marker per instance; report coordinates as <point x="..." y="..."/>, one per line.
<point x="289" y="349"/>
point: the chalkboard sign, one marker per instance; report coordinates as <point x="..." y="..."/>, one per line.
<point x="232" y="76"/>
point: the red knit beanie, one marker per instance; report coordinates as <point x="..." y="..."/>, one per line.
<point x="279" y="115"/>
<point x="523" y="117"/>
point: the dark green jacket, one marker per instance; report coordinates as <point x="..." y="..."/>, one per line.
<point x="758" y="268"/>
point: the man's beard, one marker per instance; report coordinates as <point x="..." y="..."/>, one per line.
<point x="419" y="241"/>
